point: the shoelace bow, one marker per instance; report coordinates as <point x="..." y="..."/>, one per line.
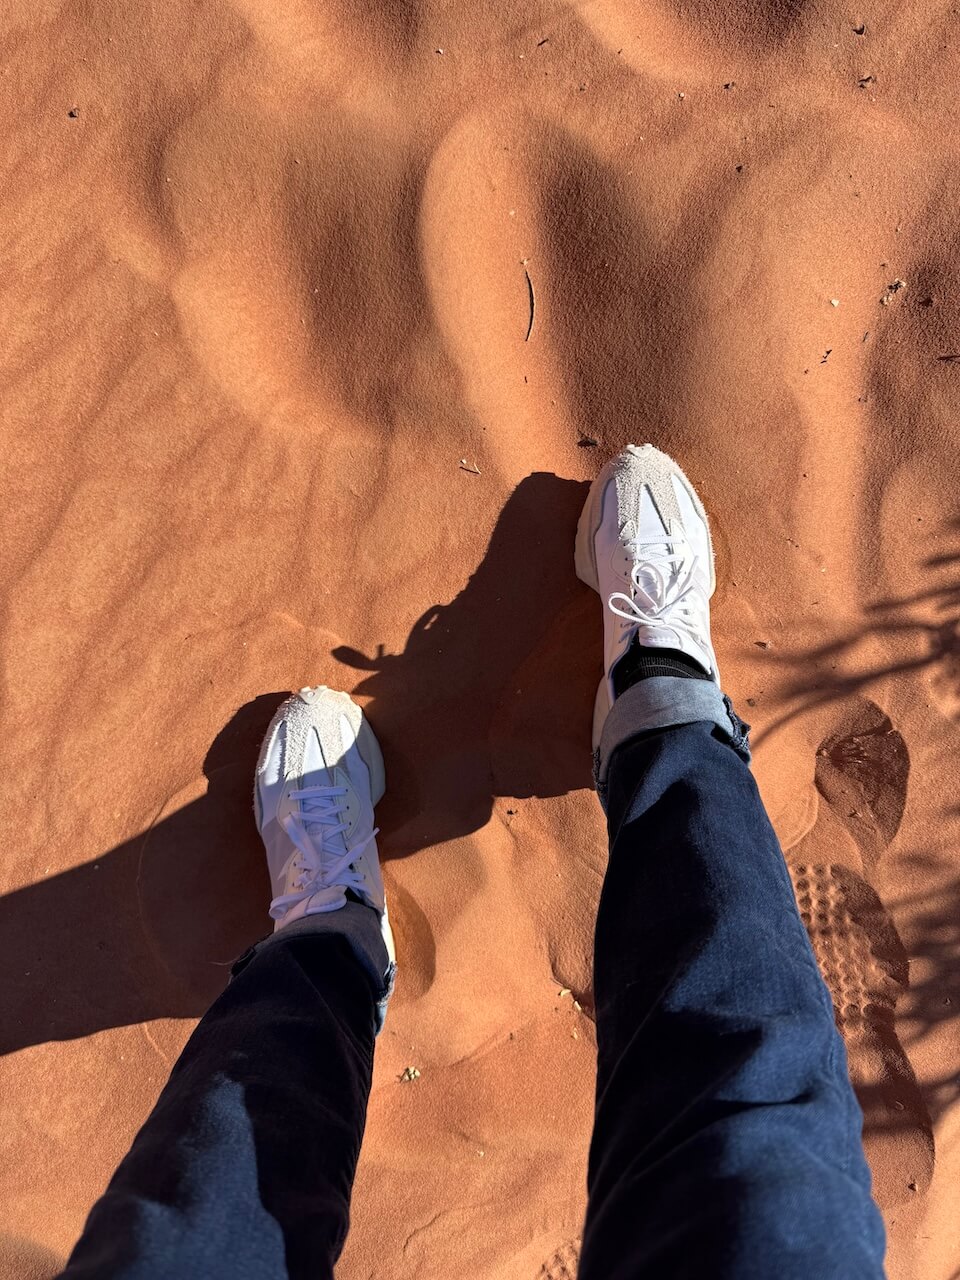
<point x="321" y="869"/>
<point x="666" y="593"/>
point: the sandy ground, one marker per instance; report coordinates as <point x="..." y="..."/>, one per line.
<point x="267" y="272"/>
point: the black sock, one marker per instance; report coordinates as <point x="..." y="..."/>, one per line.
<point x="639" y="662"/>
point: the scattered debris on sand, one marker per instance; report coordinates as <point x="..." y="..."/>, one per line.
<point x="892" y="290"/>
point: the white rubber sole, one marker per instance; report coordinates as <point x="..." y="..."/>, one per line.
<point x="585" y="549"/>
<point x="369" y="748"/>
<point x="585" y="563"/>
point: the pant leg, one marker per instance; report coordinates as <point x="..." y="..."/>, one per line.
<point x="244" y="1169"/>
<point x="727" y="1139"/>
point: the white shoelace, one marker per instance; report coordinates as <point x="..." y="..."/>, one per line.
<point x="666" y="594"/>
<point x="322" y="869"/>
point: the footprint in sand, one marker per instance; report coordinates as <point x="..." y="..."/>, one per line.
<point x="861" y="780"/>
<point x="564" y="1263"/>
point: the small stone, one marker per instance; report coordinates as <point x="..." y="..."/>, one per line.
<point x="834" y="302"/>
<point x="911" y="1186"/>
<point x="751" y="702"/>
<point x="408" y="1074"/>
<point x="762" y="644"/>
<point x="73" y="112"/>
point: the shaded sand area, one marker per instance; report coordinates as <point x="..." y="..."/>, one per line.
<point x="267" y="278"/>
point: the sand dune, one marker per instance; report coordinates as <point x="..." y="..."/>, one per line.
<point x="270" y="272"/>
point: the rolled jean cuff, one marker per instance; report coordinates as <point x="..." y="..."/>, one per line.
<point x="658" y="702"/>
<point x="360" y="925"/>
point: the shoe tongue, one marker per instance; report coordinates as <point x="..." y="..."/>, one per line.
<point x="647" y="580"/>
<point x="657" y="573"/>
<point x="318" y="823"/>
<point x="315" y="812"/>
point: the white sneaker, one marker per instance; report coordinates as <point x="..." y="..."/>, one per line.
<point x="319" y="775"/>
<point x="643" y="542"/>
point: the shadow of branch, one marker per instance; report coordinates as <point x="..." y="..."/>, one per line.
<point x="924" y="624"/>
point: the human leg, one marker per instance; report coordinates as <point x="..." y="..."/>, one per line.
<point x="727" y="1136"/>
<point x="245" y="1165"/>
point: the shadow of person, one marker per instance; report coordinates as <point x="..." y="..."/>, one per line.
<point x="492" y="696"/>
<point x="147" y="930"/>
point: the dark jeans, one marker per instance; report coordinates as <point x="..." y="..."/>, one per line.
<point x="727" y="1136"/>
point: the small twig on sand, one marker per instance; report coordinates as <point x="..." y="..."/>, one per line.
<point x="954" y="359"/>
<point x="532" y="304"/>
<point x="474" y="470"/>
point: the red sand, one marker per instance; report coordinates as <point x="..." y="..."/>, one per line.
<point x="264" y="286"/>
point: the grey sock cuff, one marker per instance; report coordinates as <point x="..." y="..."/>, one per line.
<point x="360" y="925"/>
<point x="659" y="702"/>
